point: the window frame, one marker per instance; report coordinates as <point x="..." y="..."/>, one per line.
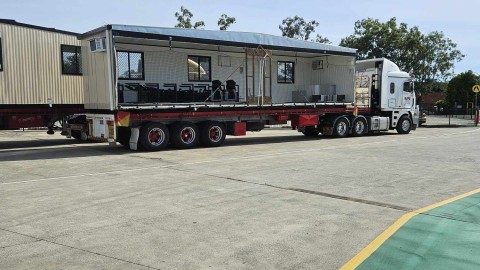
<point x="1" y="55"/>
<point x="78" y="53"/>
<point x="285" y="66"/>
<point x="142" y="58"/>
<point x="209" y="67"/>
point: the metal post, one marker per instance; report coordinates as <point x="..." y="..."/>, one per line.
<point x="476" y="109"/>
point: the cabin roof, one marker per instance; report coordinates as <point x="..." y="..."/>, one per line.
<point x="223" y="38"/>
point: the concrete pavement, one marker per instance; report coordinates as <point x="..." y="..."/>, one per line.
<point x="271" y="200"/>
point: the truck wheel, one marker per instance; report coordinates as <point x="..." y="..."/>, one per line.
<point x="404" y="125"/>
<point x="154" y="137"/>
<point x="341" y="128"/>
<point x="359" y="127"/>
<point x="77" y="134"/>
<point x="212" y="134"/>
<point x="311" y="132"/>
<point x="184" y="135"/>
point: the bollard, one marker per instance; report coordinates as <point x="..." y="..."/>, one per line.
<point x="477" y="115"/>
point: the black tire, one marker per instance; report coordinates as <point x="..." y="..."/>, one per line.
<point x="341" y="128"/>
<point x="184" y="135"/>
<point x="154" y="137"/>
<point x="404" y="125"/>
<point x="311" y="132"/>
<point x="212" y="133"/>
<point x="359" y="127"/>
<point x="76" y="134"/>
<point x="123" y="136"/>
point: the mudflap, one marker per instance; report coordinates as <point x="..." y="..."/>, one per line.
<point x="133" y="142"/>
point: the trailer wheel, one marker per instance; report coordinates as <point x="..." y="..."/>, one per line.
<point x="359" y="127"/>
<point x="76" y="134"/>
<point x="154" y="137"/>
<point x="184" y="135"/>
<point x="212" y="134"/>
<point x="404" y="125"/>
<point x="340" y="129"/>
<point x="311" y="131"/>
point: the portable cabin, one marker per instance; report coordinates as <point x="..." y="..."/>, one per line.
<point x="40" y="75"/>
<point x="39" y="66"/>
<point x="155" y="67"/>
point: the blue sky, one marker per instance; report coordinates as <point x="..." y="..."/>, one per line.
<point x="459" y="19"/>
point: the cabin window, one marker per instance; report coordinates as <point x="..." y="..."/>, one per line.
<point x="1" y="53"/>
<point x="392" y="88"/>
<point x="71" y="60"/>
<point x="407" y="87"/>
<point x="130" y="65"/>
<point x="286" y="72"/>
<point x="199" y="68"/>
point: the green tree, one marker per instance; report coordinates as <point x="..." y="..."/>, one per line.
<point x="184" y="18"/>
<point x="321" y="39"/>
<point x="441" y="104"/>
<point x="431" y="57"/>
<point x="297" y="27"/>
<point x="224" y="22"/>
<point x="459" y="88"/>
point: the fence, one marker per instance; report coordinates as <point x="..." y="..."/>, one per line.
<point x="448" y="116"/>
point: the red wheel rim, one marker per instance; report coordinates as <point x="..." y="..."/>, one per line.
<point x="215" y="134"/>
<point x="156" y="136"/>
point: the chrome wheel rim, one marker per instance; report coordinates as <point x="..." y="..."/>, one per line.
<point x="341" y="128"/>
<point x="405" y="125"/>
<point x="359" y="127"/>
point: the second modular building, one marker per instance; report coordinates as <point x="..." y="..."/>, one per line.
<point x="136" y="66"/>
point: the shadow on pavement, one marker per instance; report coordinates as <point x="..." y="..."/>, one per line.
<point x="70" y="148"/>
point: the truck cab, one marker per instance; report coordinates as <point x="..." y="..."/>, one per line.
<point x="389" y="92"/>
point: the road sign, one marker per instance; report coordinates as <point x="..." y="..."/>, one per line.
<point x="476" y="88"/>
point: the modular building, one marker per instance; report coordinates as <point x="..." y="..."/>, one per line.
<point x="140" y="66"/>
<point x="40" y="75"/>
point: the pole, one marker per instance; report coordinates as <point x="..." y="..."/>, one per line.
<point x="476" y="110"/>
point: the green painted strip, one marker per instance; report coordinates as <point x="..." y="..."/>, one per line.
<point x="446" y="237"/>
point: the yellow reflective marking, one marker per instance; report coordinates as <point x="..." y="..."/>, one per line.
<point x="377" y="242"/>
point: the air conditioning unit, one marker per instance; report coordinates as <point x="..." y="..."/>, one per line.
<point x="317" y="64"/>
<point x="98" y="45"/>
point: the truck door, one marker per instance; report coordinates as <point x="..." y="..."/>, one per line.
<point x="408" y="95"/>
<point x="395" y="92"/>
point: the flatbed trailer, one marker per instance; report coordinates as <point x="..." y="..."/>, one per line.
<point x="36" y="116"/>
<point x="154" y="129"/>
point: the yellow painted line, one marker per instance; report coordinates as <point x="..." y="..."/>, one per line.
<point x="430" y="207"/>
<point x="377" y="242"/>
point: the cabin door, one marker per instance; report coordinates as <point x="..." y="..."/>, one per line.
<point x="258" y="76"/>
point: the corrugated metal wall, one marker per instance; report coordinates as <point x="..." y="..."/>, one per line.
<point x="32" y="71"/>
